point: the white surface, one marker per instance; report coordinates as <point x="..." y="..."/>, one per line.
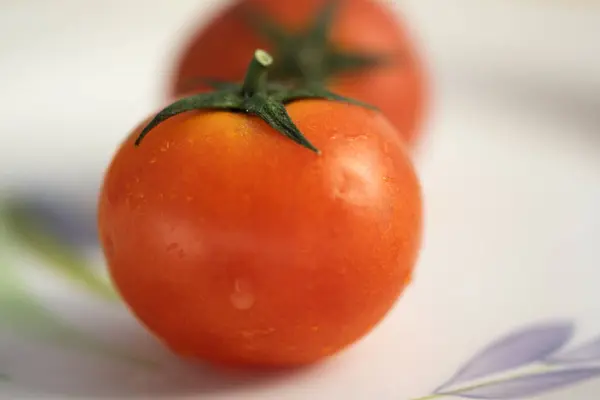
<point x="510" y="167"/>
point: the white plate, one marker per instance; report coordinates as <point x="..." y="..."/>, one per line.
<point x="510" y="168"/>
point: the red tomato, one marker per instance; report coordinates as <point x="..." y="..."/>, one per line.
<point x="236" y="245"/>
<point x="364" y="27"/>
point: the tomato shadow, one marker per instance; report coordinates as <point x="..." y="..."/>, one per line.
<point x="40" y="369"/>
<point x="84" y="352"/>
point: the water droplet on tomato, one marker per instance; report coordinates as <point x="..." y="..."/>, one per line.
<point x="242" y="297"/>
<point x="352" y="180"/>
<point x="172" y="246"/>
<point x="360" y="136"/>
<point x="165" y="146"/>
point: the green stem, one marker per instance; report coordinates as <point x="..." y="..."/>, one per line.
<point x="539" y="369"/>
<point x="256" y="97"/>
<point x="256" y="76"/>
<point x="430" y="397"/>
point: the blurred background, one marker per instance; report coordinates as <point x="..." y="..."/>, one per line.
<point x="78" y="76"/>
<point x="510" y="163"/>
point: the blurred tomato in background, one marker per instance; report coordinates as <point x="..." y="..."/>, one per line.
<point x="358" y="47"/>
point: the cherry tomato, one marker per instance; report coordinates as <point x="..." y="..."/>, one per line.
<point x="356" y="31"/>
<point x="236" y="245"/>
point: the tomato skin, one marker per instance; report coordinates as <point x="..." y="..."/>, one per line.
<point x="235" y="245"/>
<point x="398" y="90"/>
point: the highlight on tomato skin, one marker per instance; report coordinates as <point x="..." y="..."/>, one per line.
<point x="359" y="48"/>
<point x="234" y="243"/>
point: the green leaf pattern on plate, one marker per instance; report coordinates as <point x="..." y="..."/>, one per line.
<point x="24" y="315"/>
<point x="55" y="254"/>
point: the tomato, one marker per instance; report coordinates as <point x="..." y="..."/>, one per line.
<point x="235" y="245"/>
<point x="355" y="32"/>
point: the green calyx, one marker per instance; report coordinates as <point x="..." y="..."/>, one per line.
<point x="255" y="96"/>
<point x="309" y="55"/>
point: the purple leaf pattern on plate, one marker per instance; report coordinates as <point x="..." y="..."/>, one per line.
<point x="586" y="352"/>
<point x="520" y="348"/>
<point x="71" y="223"/>
<point x="527" y="385"/>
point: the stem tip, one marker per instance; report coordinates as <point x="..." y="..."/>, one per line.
<point x="263" y="57"/>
